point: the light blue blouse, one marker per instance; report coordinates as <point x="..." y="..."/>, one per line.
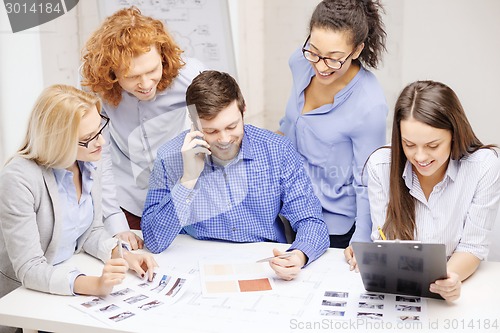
<point x="77" y="215"/>
<point x="335" y="141"/>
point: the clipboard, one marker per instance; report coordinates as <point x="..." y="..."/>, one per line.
<point x="401" y="267"/>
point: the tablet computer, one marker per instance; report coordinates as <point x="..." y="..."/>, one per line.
<point x="400" y="267"/>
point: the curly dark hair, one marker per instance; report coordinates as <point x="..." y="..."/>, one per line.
<point x="361" y="18"/>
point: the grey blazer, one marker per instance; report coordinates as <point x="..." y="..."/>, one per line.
<point x="30" y="228"/>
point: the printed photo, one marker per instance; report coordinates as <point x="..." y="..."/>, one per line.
<point x="372" y="296"/>
<point x="121" y="292"/>
<point x="333" y="303"/>
<point x="150" y="305"/>
<point x="370" y="315"/>
<point x="109" y="308"/>
<point x="93" y="302"/>
<point x="135" y="299"/>
<point x="413" y="308"/>
<point x="122" y="316"/>
<point x="340" y="294"/>
<point x="331" y="313"/>
<point x="179" y="283"/>
<point x="411" y="299"/>
<point x="162" y="284"/>
<point x="370" y="306"/>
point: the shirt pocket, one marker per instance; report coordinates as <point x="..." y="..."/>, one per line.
<point x="314" y="149"/>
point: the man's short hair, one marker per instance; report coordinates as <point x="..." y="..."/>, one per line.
<point x="212" y="91"/>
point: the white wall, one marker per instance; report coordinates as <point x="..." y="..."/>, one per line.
<point x="20" y="80"/>
<point x="457" y="42"/>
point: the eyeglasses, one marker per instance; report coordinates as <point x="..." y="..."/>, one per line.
<point x="104" y="123"/>
<point x="315" y="58"/>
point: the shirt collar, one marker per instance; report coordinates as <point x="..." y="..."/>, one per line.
<point x="158" y="93"/>
<point x="246" y="150"/>
<point x="408" y="174"/>
<point x="85" y="167"/>
<point x="451" y="172"/>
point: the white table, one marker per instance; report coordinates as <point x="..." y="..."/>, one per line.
<point x="39" y="311"/>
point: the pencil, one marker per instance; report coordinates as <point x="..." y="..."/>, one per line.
<point x="382" y="235"/>
<point x="281" y="256"/>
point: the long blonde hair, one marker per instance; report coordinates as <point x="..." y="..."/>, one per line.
<point x="52" y="136"/>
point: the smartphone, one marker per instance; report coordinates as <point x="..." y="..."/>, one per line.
<point x="195" y="119"/>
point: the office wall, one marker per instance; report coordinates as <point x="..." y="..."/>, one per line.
<point x="20" y="76"/>
<point x="447" y="40"/>
<point x="457" y="42"/>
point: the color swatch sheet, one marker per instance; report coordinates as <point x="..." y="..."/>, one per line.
<point x="222" y="279"/>
<point x="134" y="298"/>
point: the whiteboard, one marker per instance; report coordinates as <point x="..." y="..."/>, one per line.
<point x="201" y="28"/>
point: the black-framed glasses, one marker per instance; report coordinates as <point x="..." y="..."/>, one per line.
<point x="104" y="123"/>
<point x="315" y="58"/>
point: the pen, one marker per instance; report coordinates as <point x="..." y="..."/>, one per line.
<point x="120" y="248"/>
<point x="382" y="235"/>
<point x="281" y="256"/>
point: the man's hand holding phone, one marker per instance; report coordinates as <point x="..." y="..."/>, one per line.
<point x="193" y="151"/>
<point x="193" y="156"/>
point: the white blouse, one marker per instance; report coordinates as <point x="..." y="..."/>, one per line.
<point x="461" y="209"/>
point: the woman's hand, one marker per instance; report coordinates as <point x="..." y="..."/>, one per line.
<point x="141" y="263"/>
<point x="131" y="238"/>
<point x="113" y="273"/>
<point x="448" y="288"/>
<point x="351" y="259"/>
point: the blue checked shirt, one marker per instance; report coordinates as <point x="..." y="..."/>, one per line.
<point x="239" y="202"/>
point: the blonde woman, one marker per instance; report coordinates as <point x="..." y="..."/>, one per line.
<point x="50" y="202"/>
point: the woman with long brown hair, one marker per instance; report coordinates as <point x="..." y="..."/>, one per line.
<point x="438" y="183"/>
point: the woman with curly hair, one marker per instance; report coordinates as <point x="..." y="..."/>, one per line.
<point x="336" y="113"/>
<point x="136" y="68"/>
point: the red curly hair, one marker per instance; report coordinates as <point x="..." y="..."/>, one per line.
<point x="122" y="37"/>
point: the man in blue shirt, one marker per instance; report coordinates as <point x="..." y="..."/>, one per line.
<point x="230" y="182"/>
